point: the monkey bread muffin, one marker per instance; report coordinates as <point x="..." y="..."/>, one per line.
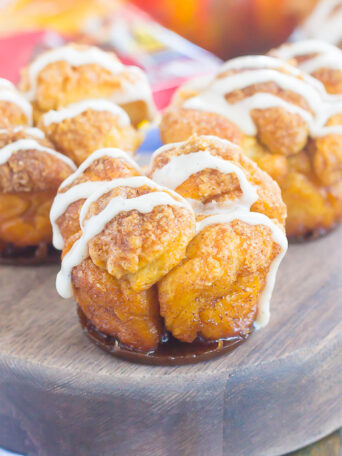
<point x="189" y="254"/>
<point x="284" y="120"/>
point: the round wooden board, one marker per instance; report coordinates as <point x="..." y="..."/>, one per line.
<point x="282" y="389"/>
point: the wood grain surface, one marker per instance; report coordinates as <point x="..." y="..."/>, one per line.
<point x="60" y="395"/>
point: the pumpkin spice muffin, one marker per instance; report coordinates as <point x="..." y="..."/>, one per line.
<point x="284" y="120"/>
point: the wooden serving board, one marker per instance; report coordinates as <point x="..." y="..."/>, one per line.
<point x="60" y="395"/>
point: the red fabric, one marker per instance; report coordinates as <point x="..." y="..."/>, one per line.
<point x="15" y="52"/>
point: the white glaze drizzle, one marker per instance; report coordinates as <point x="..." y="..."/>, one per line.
<point x="164" y="148"/>
<point x="13" y="96"/>
<point x="81" y="191"/>
<point x="262" y="62"/>
<point x="32" y="131"/>
<point x="279" y="237"/>
<point x="110" y="152"/>
<point x="76" y="109"/>
<point x="6" y="84"/>
<point x="305" y="47"/>
<point x="324" y="54"/>
<point x="30" y="144"/>
<point x="333" y="62"/>
<point x="62" y="201"/>
<point x="330" y="110"/>
<point x="132" y="182"/>
<point x="96" y="224"/>
<point x="329" y="130"/>
<point x="213" y="98"/>
<point x="180" y="168"/>
<point x="169" y="146"/>
<point x="323" y="24"/>
<point x="129" y="91"/>
<point x="240" y="113"/>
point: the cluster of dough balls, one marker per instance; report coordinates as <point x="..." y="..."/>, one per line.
<point x="191" y="251"/>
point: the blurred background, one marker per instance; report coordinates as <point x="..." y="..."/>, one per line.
<point x="172" y="40"/>
<point x="225" y="27"/>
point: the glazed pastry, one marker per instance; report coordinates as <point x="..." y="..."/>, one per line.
<point x="14" y="108"/>
<point x="287" y="124"/>
<point x="30" y="174"/>
<point x="139" y="266"/>
<point x="225" y="282"/>
<point x="325" y="22"/>
<point x="71" y="73"/>
<point x="80" y="128"/>
<point x="120" y="237"/>
<point x="322" y="60"/>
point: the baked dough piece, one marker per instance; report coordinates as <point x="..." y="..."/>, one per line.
<point x="80" y="128"/>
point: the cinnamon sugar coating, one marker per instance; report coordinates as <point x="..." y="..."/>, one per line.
<point x="104" y="168"/>
<point x="79" y="136"/>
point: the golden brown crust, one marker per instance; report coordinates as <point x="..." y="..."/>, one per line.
<point x="178" y="124"/>
<point x="280" y="131"/>
<point x="214" y="292"/>
<point x="138" y="247"/>
<point x="115" y="309"/>
<point x="331" y="79"/>
<point x="12" y="134"/>
<point x="79" y="136"/>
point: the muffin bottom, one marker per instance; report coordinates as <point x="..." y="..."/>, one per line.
<point x="312" y="235"/>
<point x="170" y="351"/>
<point x="44" y="253"/>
